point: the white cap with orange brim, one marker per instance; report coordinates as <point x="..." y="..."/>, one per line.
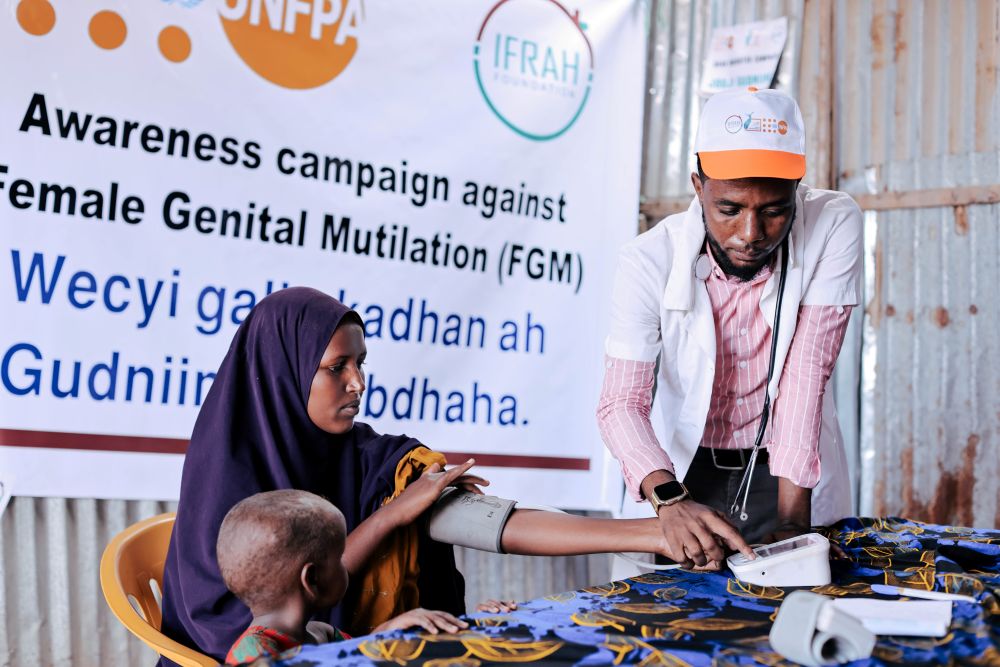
<point x="751" y="133"/>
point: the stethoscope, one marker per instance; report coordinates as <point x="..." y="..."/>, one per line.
<point x="765" y="413"/>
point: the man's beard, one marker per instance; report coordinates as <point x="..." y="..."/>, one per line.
<point x="742" y="273"/>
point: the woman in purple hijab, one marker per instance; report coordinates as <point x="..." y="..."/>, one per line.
<point x="276" y="419"/>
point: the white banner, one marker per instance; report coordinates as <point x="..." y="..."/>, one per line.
<point x="461" y="173"/>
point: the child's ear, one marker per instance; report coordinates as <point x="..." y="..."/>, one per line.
<point x="309" y="581"/>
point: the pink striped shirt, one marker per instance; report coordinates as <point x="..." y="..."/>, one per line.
<point x="743" y="339"/>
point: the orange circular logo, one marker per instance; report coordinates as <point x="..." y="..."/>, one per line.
<point x="782" y="127"/>
<point x="294" y="43"/>
<point x="107" y="29"/>
<point x="36" y="16"/>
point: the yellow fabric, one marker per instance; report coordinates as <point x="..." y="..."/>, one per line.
<point x="388" y="585"/>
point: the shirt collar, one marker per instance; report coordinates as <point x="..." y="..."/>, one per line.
<point x="763" y="273"/>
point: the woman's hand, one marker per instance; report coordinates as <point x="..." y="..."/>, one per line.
<point x="471" y="483"/>
<point x="497" y="606"/>
<point x="431" y="621"/>
<point x="424" y="492"/>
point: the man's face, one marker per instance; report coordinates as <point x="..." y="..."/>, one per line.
<point x="745" y="220"/>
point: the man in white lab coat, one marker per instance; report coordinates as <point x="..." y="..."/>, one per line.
<point x="698" y="294"/>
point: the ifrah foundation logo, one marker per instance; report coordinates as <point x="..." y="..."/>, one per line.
<point x="294" y="43"/>
<point x="534" y="66"/>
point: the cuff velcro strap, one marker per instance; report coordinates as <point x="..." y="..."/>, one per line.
<point x="468" y="519"/>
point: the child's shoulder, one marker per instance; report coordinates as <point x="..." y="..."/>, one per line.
<point x="257" y="641"/>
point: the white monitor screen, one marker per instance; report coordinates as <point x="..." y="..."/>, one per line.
<point x="782" y="548"/>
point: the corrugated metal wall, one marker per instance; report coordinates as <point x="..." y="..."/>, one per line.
<point x="53" y="611"/>
<point x="916" y="126"/>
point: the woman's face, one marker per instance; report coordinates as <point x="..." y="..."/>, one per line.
<point x="335" y="395"/>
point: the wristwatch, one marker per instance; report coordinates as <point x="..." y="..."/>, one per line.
<point x="667" y="494"/>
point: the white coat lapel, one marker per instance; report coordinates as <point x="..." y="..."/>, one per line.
<point x="683" y="291"/>
<point x="700" y="322"/>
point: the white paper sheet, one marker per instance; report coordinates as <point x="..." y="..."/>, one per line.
<point x="913" y="618"/>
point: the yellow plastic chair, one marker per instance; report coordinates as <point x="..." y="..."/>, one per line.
<point x="132" y="578"/>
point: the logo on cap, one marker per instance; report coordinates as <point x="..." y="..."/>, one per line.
<point x="751" y="124"/>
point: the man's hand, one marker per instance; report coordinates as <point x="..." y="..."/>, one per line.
<point x="695" y="534"/>
<point x="794" y="507"/>
<point x="795" y="515"/>
<point x="784" y="531"/>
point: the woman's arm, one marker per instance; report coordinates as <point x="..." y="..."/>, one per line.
<point x="411" y="503"/>
<point x="540" y="533"/>
<point x="364" y="540"/>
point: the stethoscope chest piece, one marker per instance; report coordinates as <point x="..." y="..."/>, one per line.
<point x="703" y="267"/>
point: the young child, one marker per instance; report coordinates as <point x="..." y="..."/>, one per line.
<point x="280" y="554"/>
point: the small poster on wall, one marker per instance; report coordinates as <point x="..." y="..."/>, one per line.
<point x="744" y="55"/>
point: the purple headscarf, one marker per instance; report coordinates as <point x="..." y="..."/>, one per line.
<point x="253" y="434"/>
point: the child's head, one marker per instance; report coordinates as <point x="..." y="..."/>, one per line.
<point x="276" y="545"/>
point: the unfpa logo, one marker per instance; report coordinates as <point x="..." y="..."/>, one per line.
<point x="534" y="66"/>
<point x="735" y="123"/>
<point x="294" y="43"/>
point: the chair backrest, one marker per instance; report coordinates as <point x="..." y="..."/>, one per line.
<point x="132" y="579"/>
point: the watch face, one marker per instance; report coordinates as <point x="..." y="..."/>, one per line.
<point x="669" y="490"/>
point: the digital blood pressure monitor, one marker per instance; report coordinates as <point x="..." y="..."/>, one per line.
<point x="797" y="561"/>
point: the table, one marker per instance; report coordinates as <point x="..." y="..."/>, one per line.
<point x="681" y="618"/>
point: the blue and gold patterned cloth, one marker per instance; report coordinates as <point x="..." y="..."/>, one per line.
<point x="682" y="618"/>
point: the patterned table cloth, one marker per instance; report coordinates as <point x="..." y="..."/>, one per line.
<point x="680" y="618"/>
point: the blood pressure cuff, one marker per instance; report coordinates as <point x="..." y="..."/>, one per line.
<point x="468" y="519"/>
